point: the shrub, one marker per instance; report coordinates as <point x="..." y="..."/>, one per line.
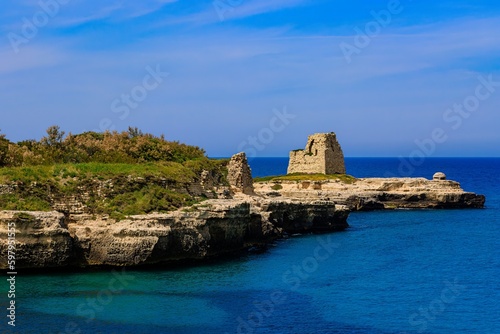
<point x="132" y="146"/>
<point x="143" y="173"/>
<point x="24" y="216"/>
<point x="4" y="150"/>
<point x="276" y="186"/>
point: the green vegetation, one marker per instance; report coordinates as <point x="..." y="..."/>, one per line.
<point x="277" y="187"/>
<point x="151" y="198"/>
<point x="308" y="177"/>
<point x="109" y="173"/>
<point x="130" y="146"/>
<point x="19" y="202"/>
<point x="24" y="216"/>
<point x="133" y="188"/>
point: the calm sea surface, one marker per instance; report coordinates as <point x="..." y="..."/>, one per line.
<point x="404" y="271"/>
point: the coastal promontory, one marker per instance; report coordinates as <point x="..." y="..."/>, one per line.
<point x="164" y="202"/>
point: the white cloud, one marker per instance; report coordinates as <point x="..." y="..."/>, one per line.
<point x="215" y="13"/>
<point x="417" y="48"/>
<point x="407" y="75"/>
<point x="81" y="12"/>
<point x="255" y="7"/>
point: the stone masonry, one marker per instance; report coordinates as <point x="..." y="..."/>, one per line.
<point x="322" y="155"/>
<point x="239" y="174"/>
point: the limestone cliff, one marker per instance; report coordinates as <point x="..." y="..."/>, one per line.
<point x="244" y="215"/>
<point x="213" y="228"/>
<point x="76" y="237"/>
<point x="377" y="193"/>
<point x="41" y="239"/>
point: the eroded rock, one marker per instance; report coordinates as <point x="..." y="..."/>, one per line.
<point x="209" y="229"/>
<point x="41" y="239"/>
<point x="239" y="174"/>
<point x="378" y="193"/>
<point x="439" y="176"/>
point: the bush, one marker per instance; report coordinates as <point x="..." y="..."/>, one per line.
<point x="24" y="216"/>
<point x="142" y="173"/>
<point x="276" y="186"/>
<point x="132" y="146"/>
<point x="4" y="150"/>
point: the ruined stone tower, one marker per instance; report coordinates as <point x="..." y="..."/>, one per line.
<point x="322" y="155"/>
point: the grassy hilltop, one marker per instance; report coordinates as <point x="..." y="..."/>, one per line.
<point x="139" y="173"/>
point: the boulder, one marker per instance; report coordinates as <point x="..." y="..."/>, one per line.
<point x="439" y="176"/>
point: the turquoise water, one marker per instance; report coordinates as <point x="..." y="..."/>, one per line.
<point x="404" y="271"/>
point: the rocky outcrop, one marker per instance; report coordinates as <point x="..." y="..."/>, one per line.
<point x="74" y="237"/>
<point x="304" y="216"/>
<point x="377" y="193"/>
<point x="439" y="176"/>
<point x="41" y="239"/>
<point x="239" y="174"/>
<point x="212" y="228"/>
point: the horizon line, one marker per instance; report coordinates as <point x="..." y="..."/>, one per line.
<point x="370" y="157"/>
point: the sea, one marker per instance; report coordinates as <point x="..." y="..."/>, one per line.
<point x="402" y="271"/>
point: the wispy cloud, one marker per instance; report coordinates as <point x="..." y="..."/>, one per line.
<point x="247" y="8"/>
<point x="238" y="71"/>
<point x="101" y="14"/>
<point x="256" y="7"/>
<point x="81" y="12"/>
<point x="416" y="48"/>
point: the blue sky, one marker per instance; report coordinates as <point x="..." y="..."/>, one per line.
<point x="391" y="78"/>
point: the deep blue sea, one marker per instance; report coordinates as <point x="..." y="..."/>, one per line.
<point x="404" y="271"/>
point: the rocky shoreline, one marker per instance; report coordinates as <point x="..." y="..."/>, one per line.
<point x="245" y="215"/>
<point x="368" y="194"/>
<point x="211" y="229"/>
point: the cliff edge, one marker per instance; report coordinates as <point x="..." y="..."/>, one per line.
<point x="244" y="214"/>
<point x="374" y="193"/>
<point x="210" y="229"/>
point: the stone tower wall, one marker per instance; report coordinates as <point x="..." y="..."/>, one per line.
<point x="239" y="174"/>
<point x="322" y="155"/>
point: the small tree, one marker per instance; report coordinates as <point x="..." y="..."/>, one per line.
<point x="53" y="150"/>
<point x="134" y="132"/>
<point x="54" y="136"/>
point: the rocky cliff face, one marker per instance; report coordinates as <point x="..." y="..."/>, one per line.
<point x="41" y="239"/>
<point x="217" y="226"/>
<point x="210" y="229"/>
<point x="377" y="193"/>
<point x="304" y="216"/>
